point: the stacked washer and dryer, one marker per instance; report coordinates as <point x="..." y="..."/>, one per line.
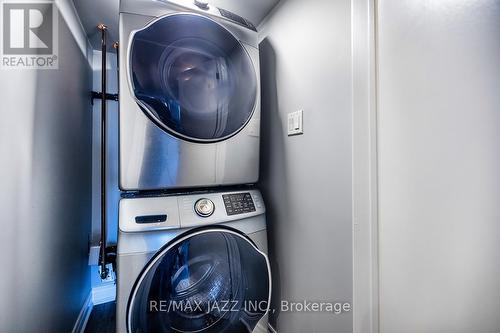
<point x="194" y="257"/>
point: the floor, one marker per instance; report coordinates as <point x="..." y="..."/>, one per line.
<point x="102" y="319"/>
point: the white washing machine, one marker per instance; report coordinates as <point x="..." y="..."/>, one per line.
<point x="193" y="263"/>
<point x="189" y="96"/>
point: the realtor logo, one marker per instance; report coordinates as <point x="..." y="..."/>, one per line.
<point x="29" y="36"/>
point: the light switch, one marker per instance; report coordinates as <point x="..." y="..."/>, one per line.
<point x="295" y="123"/>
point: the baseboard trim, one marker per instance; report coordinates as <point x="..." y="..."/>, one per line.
<point x="83" y="316"/>
<point x="98" y="295"/>
<point x="104" y="293"/>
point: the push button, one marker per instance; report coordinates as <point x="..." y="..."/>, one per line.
<point x="238" y="203"/>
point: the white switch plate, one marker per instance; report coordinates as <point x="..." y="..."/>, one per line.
<point x="94" y="255"/>
<point x="295" y="123"/>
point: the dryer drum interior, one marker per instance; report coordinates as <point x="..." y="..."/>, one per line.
<point x="213" y="280"/>
<point x="192" y="77"/>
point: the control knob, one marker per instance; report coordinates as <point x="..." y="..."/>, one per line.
<point x="204" y="207"/>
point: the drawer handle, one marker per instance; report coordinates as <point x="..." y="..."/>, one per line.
<point x="150" y="219"/>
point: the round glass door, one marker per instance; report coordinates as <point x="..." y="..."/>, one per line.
<point x="192" y="77"/>
<point x="211" y="281"/>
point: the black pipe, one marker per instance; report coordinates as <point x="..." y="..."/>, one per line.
<point x="104" y="269"/>
<point x="116" y="46"/>
<point x="98" y="95"/>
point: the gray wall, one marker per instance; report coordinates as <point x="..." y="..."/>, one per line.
<point x="306" y="180"/>
<point x="45" y="158"/>
<point x="439" y="163"/>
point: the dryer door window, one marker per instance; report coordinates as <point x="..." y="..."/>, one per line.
<point x="209" y="280"/>
<point x="192" y="77"/>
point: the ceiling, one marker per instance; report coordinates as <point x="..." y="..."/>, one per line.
<point x="93" y="12"/>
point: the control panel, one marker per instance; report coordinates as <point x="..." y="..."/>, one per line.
<point x="191" y="210"/>
<point x="236" y="18"/>
<point x="238" y="203"/>
<point x="203" y="4"/>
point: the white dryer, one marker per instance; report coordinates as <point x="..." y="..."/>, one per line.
<point x="189" y="96"/>
<point x="193" y="263"/>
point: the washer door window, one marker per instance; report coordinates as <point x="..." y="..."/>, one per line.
<point x="192" y="77"/>
<point x="210" y="281"/>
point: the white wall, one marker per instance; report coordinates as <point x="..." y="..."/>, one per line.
<point x="45" y="158"/>
<point x="439" y="166"/>
<point x="306" y="180"/>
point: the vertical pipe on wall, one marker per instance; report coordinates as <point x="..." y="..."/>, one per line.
<point x="116" y="46"/>
<point x="364" y="166"/>
<point x="102" y="259"/>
